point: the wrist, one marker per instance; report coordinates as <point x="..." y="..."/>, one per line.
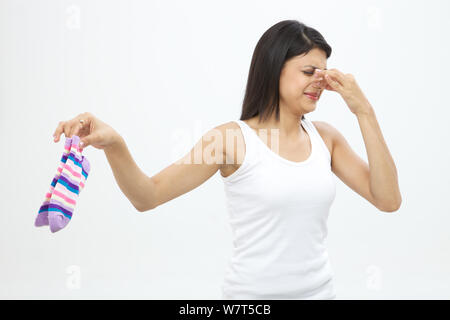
<point x="367" y="110"/>
<point x="116" y="143"/>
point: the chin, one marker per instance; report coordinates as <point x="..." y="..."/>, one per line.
<point x="310" y="102"/>
<point x="309" y="107"/>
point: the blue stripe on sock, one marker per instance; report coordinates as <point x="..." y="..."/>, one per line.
<point x="64" y="183"/>
<point x="59" y="210"/>
<point x="75" y="160"/>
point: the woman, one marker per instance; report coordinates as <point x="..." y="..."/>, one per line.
<point x="278" y="176"/>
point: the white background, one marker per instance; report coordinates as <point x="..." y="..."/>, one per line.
<point x="155" y="69"/>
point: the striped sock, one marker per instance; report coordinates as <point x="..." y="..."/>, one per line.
<point x="72" y="179"/>
<point x="70" y="183"/>
<point x="42" y="217"/>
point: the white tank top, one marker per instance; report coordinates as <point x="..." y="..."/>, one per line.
<point x="278" y="211"/>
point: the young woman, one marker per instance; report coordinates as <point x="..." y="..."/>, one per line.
<point x="278" y="176"/>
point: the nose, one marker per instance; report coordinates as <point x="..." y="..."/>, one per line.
<point x="318" y="84"/>
<point x="318" y="81"/>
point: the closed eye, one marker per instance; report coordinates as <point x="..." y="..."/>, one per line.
<point x="310" y="73"/>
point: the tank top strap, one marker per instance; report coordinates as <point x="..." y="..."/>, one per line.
<point x="324" y="151"/>
<point x="248" y="135"/>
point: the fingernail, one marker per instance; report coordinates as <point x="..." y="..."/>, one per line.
<point x="81" y="144"/>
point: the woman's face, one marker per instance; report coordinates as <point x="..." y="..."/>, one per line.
<point x="297" y="78"/>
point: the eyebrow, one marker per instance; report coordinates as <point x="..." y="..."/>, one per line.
<point x="314" y="67"/>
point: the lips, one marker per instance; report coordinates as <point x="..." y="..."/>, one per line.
<point x="314" y="94"/>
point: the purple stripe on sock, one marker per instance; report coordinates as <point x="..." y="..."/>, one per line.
<point x="45" y="209"/>
<point x="70" y="183"/>
<point x="53" y="183"/>
<point x="78" y="159"/>
<point x="59" y="203"/>
<point x="54" y="205"/>
<point x="71" y="180"/>
<point x="66" y="154"/>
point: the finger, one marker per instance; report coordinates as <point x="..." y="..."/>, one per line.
<point x="58" y="131"/>
<point x="71" y="129"/>
<point x="86" y="138"/>
<point x="340" y="74"/>
<point x="83" y="132"/>
<point x="327" y="87"/>
<point x="76" y="125"/>
<point x="335" y="85"/>
<point x="336" y="75"/>
<point x="66" y="129"/>
<point x="75" y="128"/>
<point x="79" y="128"/>
<point x="87" y="120"/>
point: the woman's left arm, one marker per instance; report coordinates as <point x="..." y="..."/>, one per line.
<point x="383" y="179"/>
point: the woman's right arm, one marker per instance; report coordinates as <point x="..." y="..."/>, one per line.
<point x="144" y="192"/>
<point x="135" y="184"/>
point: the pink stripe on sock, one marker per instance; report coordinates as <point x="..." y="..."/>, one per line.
<point x="72" y="171"/>
<point x="49" y="193"/>
<point x="76" y="147"/>
<point x="69" y="200"/>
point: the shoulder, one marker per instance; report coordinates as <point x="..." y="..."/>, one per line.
<point x="230" y="127"/>
<point x="227" y="125"/>
<point x="232" y="140"/>
<point x="325" y="127"/>
<point x="328" y="133"/>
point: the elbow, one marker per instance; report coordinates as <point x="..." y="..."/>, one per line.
<point x="391" y="207"/>
<point x="149" y="202"/>
<point x="144" y="208"/>
<point x="139" y="209"/>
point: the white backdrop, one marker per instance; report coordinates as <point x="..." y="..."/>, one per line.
<point x="155" y="69"/>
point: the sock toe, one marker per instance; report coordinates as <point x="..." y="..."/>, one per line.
<point x="57" y="221"/>
<point x="41" y="220"/>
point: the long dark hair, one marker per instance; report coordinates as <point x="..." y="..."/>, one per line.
<point x="279" y="43"/>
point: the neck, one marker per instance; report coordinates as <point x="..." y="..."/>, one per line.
<point x="288" y="125"/>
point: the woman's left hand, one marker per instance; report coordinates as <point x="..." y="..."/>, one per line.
<point x="347" y="87"/>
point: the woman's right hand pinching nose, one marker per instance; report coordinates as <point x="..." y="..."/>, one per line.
<point x="92" y="131"/>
